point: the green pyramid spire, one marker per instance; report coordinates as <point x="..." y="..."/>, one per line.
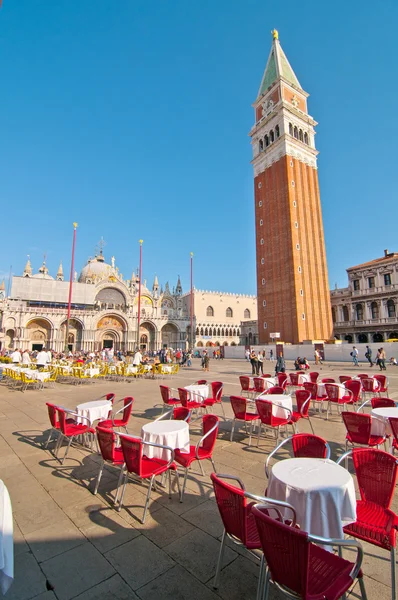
<point x="277" y="67"/>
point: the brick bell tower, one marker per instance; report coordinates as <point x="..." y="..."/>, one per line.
<point x="292" y="278"/>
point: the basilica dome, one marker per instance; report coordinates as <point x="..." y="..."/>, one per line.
<point x="95" y="270"/>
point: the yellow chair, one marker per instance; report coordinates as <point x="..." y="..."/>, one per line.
<point x="27" y="381"/>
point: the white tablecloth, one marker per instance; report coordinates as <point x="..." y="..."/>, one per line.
<point x="269" y="381"/>
<point x="168" y="433"/>
<point x="41" y="376"/>
<point x="282" y="401"/>
<point x="197" y="393"/>
<point x="96" y="410"/>
<point x="322" y="389"/>
<point x="380" y="422"/>
<point x="93" y="372"/>
<point x="6" y="540"/>
<point x="322" y="493"/>
<point x="131" y="369"/>
<point x="166" y="368"/>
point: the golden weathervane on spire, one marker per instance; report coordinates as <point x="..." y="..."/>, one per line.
<point x="275" y="34"/>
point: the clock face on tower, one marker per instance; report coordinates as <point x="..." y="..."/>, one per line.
<point x="267" y="106"/>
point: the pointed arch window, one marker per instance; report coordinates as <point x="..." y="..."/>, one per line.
<point x="301" y="137"/>
<point x="306" y="138"/>
<point x="290" y="129"/>
<point x="391" y="308"/>
<point x="359" y="312"/>
<point x="197" y="331"/>
<point x="222" y="332"/>
<point x="271" y="135"/>
<point x="295" y="133"/>
<point x="277" y="133"/>
<point x="209" y="311"/>
<point x="374" y="309"/>
<point x="260" y="146"/>
<point x="201" y="331"/>
<point x="229" y="312"/>
<point x="246" y="313"/>
<point x="266" y="140"/>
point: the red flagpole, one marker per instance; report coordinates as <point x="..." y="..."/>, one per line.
<point x="72" y="267"/>
<point x="191" y="309"/>
<point x="139" y="298"/>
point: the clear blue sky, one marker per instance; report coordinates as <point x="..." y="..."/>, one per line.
<point x="131" y="117"/>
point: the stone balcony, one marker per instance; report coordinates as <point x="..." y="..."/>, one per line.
<point x="366" y="322"/>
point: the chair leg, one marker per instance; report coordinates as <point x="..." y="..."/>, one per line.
<point x="58" y="444"/>
<point x="119" y="508"/>
<point x="219" y="562"/>
<point x="266" y="586"/>
<point x="312" y="429"/>
<point x="99" y="477"/>
<point x="363" y="590"/>
<point x="49" y="438"/>
<point x="261" y="573"/>
<point x="67" y="450"/>
<point x="258" y="434"/>
<point x="170" y="483"/>
<point x="251" y="433"/>
<point x="222" y="407"/>
<point x="184" y="484"/>
<point x="393" y="575"/>
<point x="232" y="430"/>
<point x="147" y="498"/>
<point x="201" y="468"/>
<point x="213" y="465"/>
<point x="119" y="481"/>
<point x="178" y="484"/>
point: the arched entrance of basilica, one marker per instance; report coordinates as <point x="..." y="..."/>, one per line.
<point x="110" y="333"/>
<point x="39" y="334"/>
<point x="170" y="336"/>
<point x="147" y="336"/>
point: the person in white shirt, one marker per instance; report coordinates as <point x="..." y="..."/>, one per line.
<point x="50" y="356"/>
<point x="26" y="358"/>
<point x="42" y="358"/>
<point x="16" y="357"/>
<point x="137" y="358"/>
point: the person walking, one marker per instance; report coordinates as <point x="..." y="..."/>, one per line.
<point x="382" y="360"/>
<point x="368" y="355"/>
<point x="16" y="357"/>
<point x="271" y="355"/>
<point x="354" y="355"/>
<point x="317" y="356"/>
<point x="260" y="361"/>
<point x="280" y="366"/>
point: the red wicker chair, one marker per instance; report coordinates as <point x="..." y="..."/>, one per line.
<point x="383" y="381"/>
<point x="264" y="409"/>
<point x="216" y="397"/>
<point x="301" y="568"/>
<point x="121" y="417"/>
<point x="246" y="388"/>
<point x="376" y="523"/>
<point x="314" y="376"/>
<point x="358" y="428"/>
<point x="304" y="445"/>
<point x="168" y="400"/>
<point x="239" y="406"/>
<point x="303" y="399"/>
<point x="71" y="429"/>
<point x="111" y="454"/>
<point x="313" y="389"/>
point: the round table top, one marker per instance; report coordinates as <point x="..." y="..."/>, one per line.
<point x="163" y="426"/>
<point x="93" y="404"/>
<point x="385" y="413"/>
<point x="310" y="474"/>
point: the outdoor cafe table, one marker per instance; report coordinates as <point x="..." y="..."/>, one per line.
<point x="6" y="540"/>
<point x="282" y="401"/>
<point x="96" y="410"/>
<point x="167" y="433"/>
<point x="197" y="393"/>
<point x="322" y="389"/>
<point x="269" y="381"/>
<point x="381" y="424"/>
<point x="322" y="493"/>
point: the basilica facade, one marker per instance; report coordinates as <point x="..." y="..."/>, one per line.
<point x="104" y="312"/>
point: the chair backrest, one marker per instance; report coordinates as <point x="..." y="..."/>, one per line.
<point x="52" y="414"/>
<point x="128" y="407"/>
<point x="369" y="384"/>
<point x="294" y="378"/>
<point x="264" y="409"/>
<point x="232" y="505"/>
<point x="62" y="419"/>
<point x="383" y="380"/>
<point x="201" y="382"/>
<point x="107" y="442"/>
<point x="328" y="380"/>
<point x="358" y="426"/>
<point x="276" y="389"/>
<point x="376" y="475"/>
<point x="165" y="392"/>
<point x="184" y="396"/>
<point x="239" y="405"/>
<point x="282" y="378"/>
<point x="180" y="413"/>
<point x="314" y="376"/>
<point x="394" y="427"/>
<point x="306" y="445"/>
<point x="132" y="452"/>
<point x="344" y="378"/>
<point x="286" y="551"/>
<point x="301" y="398"/>
<point x="259" y="384"/>
<point x="332" y="391"/>
<point x="267" y="375"/>
<point x="363" y="376"/>
<point x="244" y="382"/>
<point x="383" y="403"/>
<point x="216" y="388"/>
<point x="312" y="388"/>
<point x="355" y="387"/>
<point x="208" y="422"/>
<point x="110" y="397"/>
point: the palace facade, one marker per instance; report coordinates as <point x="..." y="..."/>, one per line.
<point x="366" y="310"/>
<point x="104" y="312"/>
<point x="292" y="280"/>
